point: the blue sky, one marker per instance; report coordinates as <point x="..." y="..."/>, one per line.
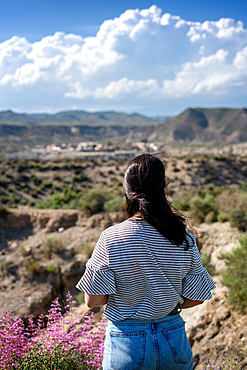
<point x="105" y="55"/>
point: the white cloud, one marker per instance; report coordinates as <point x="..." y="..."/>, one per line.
<point x="141" y="59"/>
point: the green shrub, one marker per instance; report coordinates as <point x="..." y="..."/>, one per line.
<point x="238" y="218"/>
<point x="36" y="180"/>
<point x="234" y="277"/>
<point x="79" y="178"/>
<point x="51" y="268"/>
<point x="41" y="186"/>
<point x="53" y="245"/>
<point x="59" y="358"/>
<point x="86" y="248"/>
<point x="24" y="252"/>
<point x="93" y="200"/>
<point x="4" y="265"/>
<point x="200" y="207"/>
<point x="4" y="182"/>
<point x="206" y="261"/>
<point x="31" y="265"/>
<point x="14" y="198"/>
<point x="68" y="199"/>
<point x="115" y="205"/>
<point x="222" y="217"/>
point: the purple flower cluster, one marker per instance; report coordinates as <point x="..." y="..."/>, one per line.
<point x="219" y="363"/>
<point x="71" y="330"/>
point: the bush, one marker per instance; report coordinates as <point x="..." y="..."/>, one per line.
<point x="57" y="359"/>
<point x="235" y="275"/>
<point x="36" y="180"/>
<point x="46" y="345"/>
<point x="86" y="248"/>
<point x="68" y="199"/>
<point x="80" y="178"/>
<point x="93" y="200"/>
<point x="206" y="261"/>
<point x="51" y="268"/>
<point x="32" y="265"/>
<point x="238" y="218"/>
<point x="53" y="245"/>
<point x="115" y="205"/>
<point x="200" y="207"/>
<point x="5" y="265"/>
<point x="222" y="217"/>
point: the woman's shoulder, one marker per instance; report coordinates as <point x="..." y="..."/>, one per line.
<point x="126" y="227"/>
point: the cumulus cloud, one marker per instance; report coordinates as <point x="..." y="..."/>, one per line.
<point x="143" y="58"/>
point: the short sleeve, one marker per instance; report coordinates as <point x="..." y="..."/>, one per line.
<point x="98" y="278"/>
<point x="197" y="284"/>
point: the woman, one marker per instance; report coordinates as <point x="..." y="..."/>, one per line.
<point x="145" y="269"/>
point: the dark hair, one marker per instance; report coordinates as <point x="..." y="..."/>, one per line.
<point x="144" y="187"/>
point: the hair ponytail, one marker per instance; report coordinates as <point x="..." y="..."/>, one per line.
<point x="144" y="185"/>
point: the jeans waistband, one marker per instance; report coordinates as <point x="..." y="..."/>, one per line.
<point x="139" y="322"/>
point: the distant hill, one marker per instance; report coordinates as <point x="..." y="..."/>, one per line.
<point x="204" y="125"/>
<point x="193" y="126"/>
<point x="77" y="118"/>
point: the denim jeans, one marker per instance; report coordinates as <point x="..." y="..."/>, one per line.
<point x="147" y="345"/>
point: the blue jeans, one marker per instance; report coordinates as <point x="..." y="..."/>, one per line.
<point x="147" y="345"/>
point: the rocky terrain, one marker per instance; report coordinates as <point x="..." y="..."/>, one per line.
<point x="45" y="255"/>
<point x="215" y="323"/>
<point x="26" y="182"/>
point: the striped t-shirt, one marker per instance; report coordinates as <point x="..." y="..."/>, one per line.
<point x="144" y="274"/>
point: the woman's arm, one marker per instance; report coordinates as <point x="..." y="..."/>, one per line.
<point x="95" y="300"/>
<point x="190" y="303"/>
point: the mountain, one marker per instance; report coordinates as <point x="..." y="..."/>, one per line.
<point x="77" y="118"/>
<point x="204" y="125"/>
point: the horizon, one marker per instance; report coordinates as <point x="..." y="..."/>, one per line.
<point x="114" y="111"/>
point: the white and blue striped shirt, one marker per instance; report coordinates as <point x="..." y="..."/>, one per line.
<point x="144" y="274"/>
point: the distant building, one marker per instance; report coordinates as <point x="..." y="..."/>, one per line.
<point x="54" y="147"/>
<point x="86" y="146"/>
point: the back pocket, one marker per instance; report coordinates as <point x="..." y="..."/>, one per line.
<point x="179" y="344"/>
<point x="127" y="350"/>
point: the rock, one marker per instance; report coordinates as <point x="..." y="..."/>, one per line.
<point x="14" y="245"/>
<point x="216" y="261"/>
<point x="95" y="221"/>
<point x="64" y="220"/>
<point x="15" y="221"/>
<point x="199" y="335"/>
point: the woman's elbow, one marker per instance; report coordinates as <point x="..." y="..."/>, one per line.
<point x="188" y="303"/>
<point x="89" y="300"/>
<point x="95" y="300"/>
